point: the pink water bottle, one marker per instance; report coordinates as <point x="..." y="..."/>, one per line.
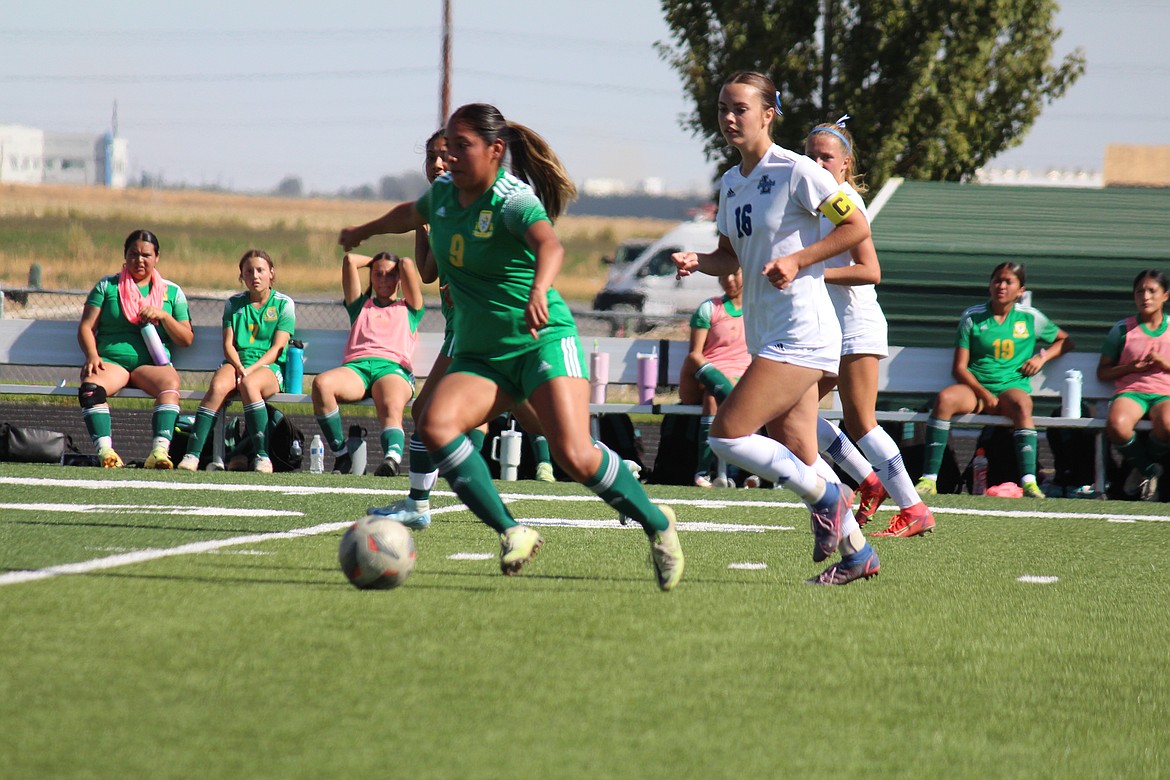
<point x="598" y="375"/>
<point x="647" y="376"/>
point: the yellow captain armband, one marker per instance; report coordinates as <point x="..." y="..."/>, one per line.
<point x="837" y="207"/>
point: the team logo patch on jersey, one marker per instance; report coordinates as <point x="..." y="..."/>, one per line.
<point x="1020" y="330"/>
<point x="483" y="225"/>
<point x="441" y="211"/>
<point x="270" y="314"/>
<point x="766" y="184"/>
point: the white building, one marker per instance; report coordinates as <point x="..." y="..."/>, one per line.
<point x="22" y="154"/>
<point x="31" y="156"/>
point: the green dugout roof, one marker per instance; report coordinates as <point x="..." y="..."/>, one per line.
<point x="938" y="241"/>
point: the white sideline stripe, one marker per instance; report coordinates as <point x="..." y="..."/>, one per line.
<point x="153" y="509"/>
<point x="288" y="490"/>
<point x="1038" y="580"/>
<point x="467" y="556"/>
<point x="153" y="554"/>
<point x="142" y="556"/>
<point x="305" y="490"/>
<point x="730" y="528"/>
<point x="747" y="566"/>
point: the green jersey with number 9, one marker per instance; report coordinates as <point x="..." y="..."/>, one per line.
<point x="488" y="267"/>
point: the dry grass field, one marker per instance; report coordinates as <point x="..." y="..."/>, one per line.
<point x="75" y="234"/>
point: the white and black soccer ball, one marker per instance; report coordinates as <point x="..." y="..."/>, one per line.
<point x="377" y="553"/>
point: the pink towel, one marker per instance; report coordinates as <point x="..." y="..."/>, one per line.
<point x="1006" y="490"/>
<point x="131" y="298"/>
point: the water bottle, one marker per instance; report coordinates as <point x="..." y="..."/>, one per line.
<point x="356" y="446"/>
<point x="154" y="345"/>
<point x="1071" y="397"/>
<point x="294" y="367"/>
<point x="317" y="455"/>
<point x="979" y="473"/>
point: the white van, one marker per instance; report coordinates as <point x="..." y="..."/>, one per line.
<point x="648" y="284"/>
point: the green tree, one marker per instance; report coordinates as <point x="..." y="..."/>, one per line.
<point x="937" y="87"/>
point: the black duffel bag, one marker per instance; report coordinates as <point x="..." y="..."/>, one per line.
<point x="32" y="445"/>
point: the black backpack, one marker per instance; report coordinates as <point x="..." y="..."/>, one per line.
<point x="618" y="433"/>
<point x="1074" y="454"/>
<point x="677" y="458"/>
<point x="286" y="442"/>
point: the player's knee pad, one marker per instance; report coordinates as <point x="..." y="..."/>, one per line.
<point x="90" y="395"/>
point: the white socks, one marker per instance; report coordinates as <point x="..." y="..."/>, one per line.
<point x="886" y="458"/>
<point x="771" y="460"/>
<point x="836" y="445"/>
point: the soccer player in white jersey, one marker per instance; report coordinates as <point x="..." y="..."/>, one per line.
<point x="769" y="224"/>
<point x="878" y="467"/>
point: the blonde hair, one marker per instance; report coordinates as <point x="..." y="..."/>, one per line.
<point x="845" y="138"/>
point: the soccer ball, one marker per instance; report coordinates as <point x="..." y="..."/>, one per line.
<point x="377" y="553"/>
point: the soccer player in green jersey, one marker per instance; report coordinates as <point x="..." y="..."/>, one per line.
<point x="492" y="236"/>
<point x="118" y="312"/>
<point x="995" y="360"/>
<point x="257" y="325"/>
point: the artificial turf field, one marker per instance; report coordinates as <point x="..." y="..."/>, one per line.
<point x="197" y="626"/>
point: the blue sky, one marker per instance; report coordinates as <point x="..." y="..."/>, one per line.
<point x="242" y="93"/>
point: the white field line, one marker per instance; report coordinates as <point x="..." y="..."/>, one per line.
<point x="153" y="509"/>
<point x="683" y="525"/>
<point x="142" y="556"/>
<point x="307" y="490"/>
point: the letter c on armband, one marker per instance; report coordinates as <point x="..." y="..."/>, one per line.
<point x="837" y="208"/>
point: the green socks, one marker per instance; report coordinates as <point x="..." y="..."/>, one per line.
<point x="330" y="423"/>
<point x="1136" y="453"/>
<point x="540" y="449"/>
<point x="617" y="487"/>
<point x="393" y="440"/>
<point x="705" y="461"/>
<point x="715" y="381"/>
<point x="467" y="473"/>
<point x="937" y="433"/>
<point x="256" y="424"/>
<point x="97" y="422"/>
<point x="1025" y="441"/>
<point x="163" y="422"/>
<point x="204" y="419"/>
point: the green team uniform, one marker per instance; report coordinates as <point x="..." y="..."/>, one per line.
<point x="999" y="350"/>
<point x="489" y="270"/>
<point x="253" y="329"/>
<point x="448" y="311"/>
<point x="119" y="341"/>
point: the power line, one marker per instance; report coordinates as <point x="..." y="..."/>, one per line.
<point x="138" y="78"/>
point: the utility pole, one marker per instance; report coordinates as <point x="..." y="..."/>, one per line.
<point x="445" y="75"/>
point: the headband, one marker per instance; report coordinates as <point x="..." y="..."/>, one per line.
<point x="834" y="131"/>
